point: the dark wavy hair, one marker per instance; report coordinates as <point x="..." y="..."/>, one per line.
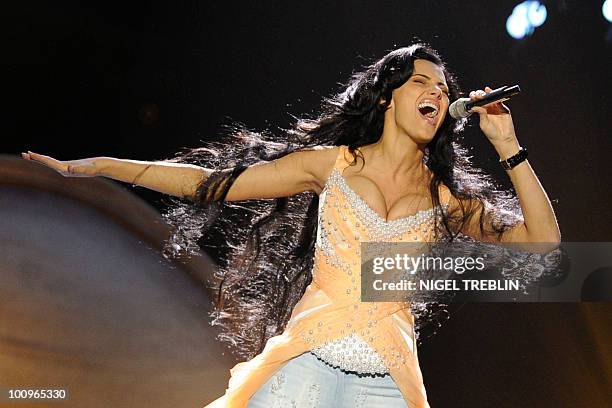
<point x="265" y="248"/>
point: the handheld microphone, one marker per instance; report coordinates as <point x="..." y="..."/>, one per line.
<point x="461" y="107"/>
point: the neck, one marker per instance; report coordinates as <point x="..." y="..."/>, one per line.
<point x="398" y="155"/>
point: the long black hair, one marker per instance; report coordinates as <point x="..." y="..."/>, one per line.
<point x="265" y="248"/>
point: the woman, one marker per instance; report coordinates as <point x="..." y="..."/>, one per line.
<point x="379" y="164"/>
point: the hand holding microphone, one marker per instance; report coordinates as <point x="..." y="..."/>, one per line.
<point x="495" y="119"/>
<point x="462" y="107"/>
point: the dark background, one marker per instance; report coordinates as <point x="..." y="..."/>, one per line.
<point x="144" y="79"/>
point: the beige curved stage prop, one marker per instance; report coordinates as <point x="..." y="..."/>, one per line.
<point x="87" y="303"/>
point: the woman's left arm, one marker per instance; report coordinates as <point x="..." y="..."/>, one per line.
<point x="540" y="223"/>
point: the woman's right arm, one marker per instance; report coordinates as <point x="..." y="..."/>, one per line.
<point x="294" y="173"/>
<point x="165" y="177"/>
<point x="176" y="179"/>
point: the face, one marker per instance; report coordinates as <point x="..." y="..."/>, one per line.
<point x="419" y="106"/>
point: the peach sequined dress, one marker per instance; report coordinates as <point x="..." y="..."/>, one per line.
<point x="331" y="309"/>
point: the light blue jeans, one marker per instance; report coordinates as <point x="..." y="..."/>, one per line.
<point x="307" y="382"/>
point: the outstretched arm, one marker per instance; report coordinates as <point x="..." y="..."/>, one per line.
<point x="165" y="177"/>
<point x="540" y="223"/>
<point x="294" y="173"/>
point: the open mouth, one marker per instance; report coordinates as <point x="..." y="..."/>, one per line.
<point x="429" y="110"/>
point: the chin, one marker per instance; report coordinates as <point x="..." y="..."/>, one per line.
<point x="427" y="135"/>
<point x="422" y="139"/>
<point x="419" y="134"/>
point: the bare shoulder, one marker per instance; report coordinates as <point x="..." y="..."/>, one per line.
<point x="447" y="198"/>
<point x="318" y="162"/>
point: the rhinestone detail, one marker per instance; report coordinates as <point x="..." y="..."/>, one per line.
<point x="352" y="353"/>
<point x="380" y="229"/>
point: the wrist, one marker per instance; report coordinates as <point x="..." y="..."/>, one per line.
<point x="515" y="160"/>
<point x="507" y="149"/>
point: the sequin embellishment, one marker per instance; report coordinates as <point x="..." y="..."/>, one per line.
<point x="351" y="352"/>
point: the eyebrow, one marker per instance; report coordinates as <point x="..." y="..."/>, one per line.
<point x="423" y="75"/>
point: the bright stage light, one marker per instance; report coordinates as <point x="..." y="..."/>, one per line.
<point x="606" y="9"/>
<point x="536" y="13"/>
<point x="517" y="26"/>
<point x="525" y="18"/>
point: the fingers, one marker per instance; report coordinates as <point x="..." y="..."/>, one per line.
<point x="490" y="108"/>
<point x="29" y="155"/>
<point x="38" y="157"/>
<point x="479" y="110"/>
<point x="73" y="168"/>
<point x="46" y="160"/>
<point x="475" y="95"/>
<point x="479" y="94"/>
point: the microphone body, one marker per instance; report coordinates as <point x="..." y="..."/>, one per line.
<point x="462" y="106"/>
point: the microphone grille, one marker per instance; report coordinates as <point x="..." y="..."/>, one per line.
<point x="457" y="109"/>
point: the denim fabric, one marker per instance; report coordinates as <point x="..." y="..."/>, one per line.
<point x="307" y="382"/>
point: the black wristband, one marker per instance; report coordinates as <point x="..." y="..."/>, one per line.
<point x="515" y="160"/>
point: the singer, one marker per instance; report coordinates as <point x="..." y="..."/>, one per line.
<point x="380" y="163"/>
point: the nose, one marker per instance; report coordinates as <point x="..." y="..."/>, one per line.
<point x="436" y="91"/>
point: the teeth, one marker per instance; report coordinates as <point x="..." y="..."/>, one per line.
<point x="430" y="104"/>
<point x="432" y="114"/>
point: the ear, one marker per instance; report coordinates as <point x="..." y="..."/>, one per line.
<point x="383" y="100"/>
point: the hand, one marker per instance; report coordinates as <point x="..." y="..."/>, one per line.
<point x="495" y="120"/>
<point x="69" y="168"/>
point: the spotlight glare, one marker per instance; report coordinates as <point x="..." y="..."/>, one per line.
<point x="606" y="9"/>
<point x="520" y="10"/>
<point x="525" y="17"/>
<point x="517" y="26"/>
<point x="536" y="13"/>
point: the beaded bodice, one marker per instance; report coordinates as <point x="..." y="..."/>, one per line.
<point x="346" y="220"/>
<point x="330" y="320"/>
